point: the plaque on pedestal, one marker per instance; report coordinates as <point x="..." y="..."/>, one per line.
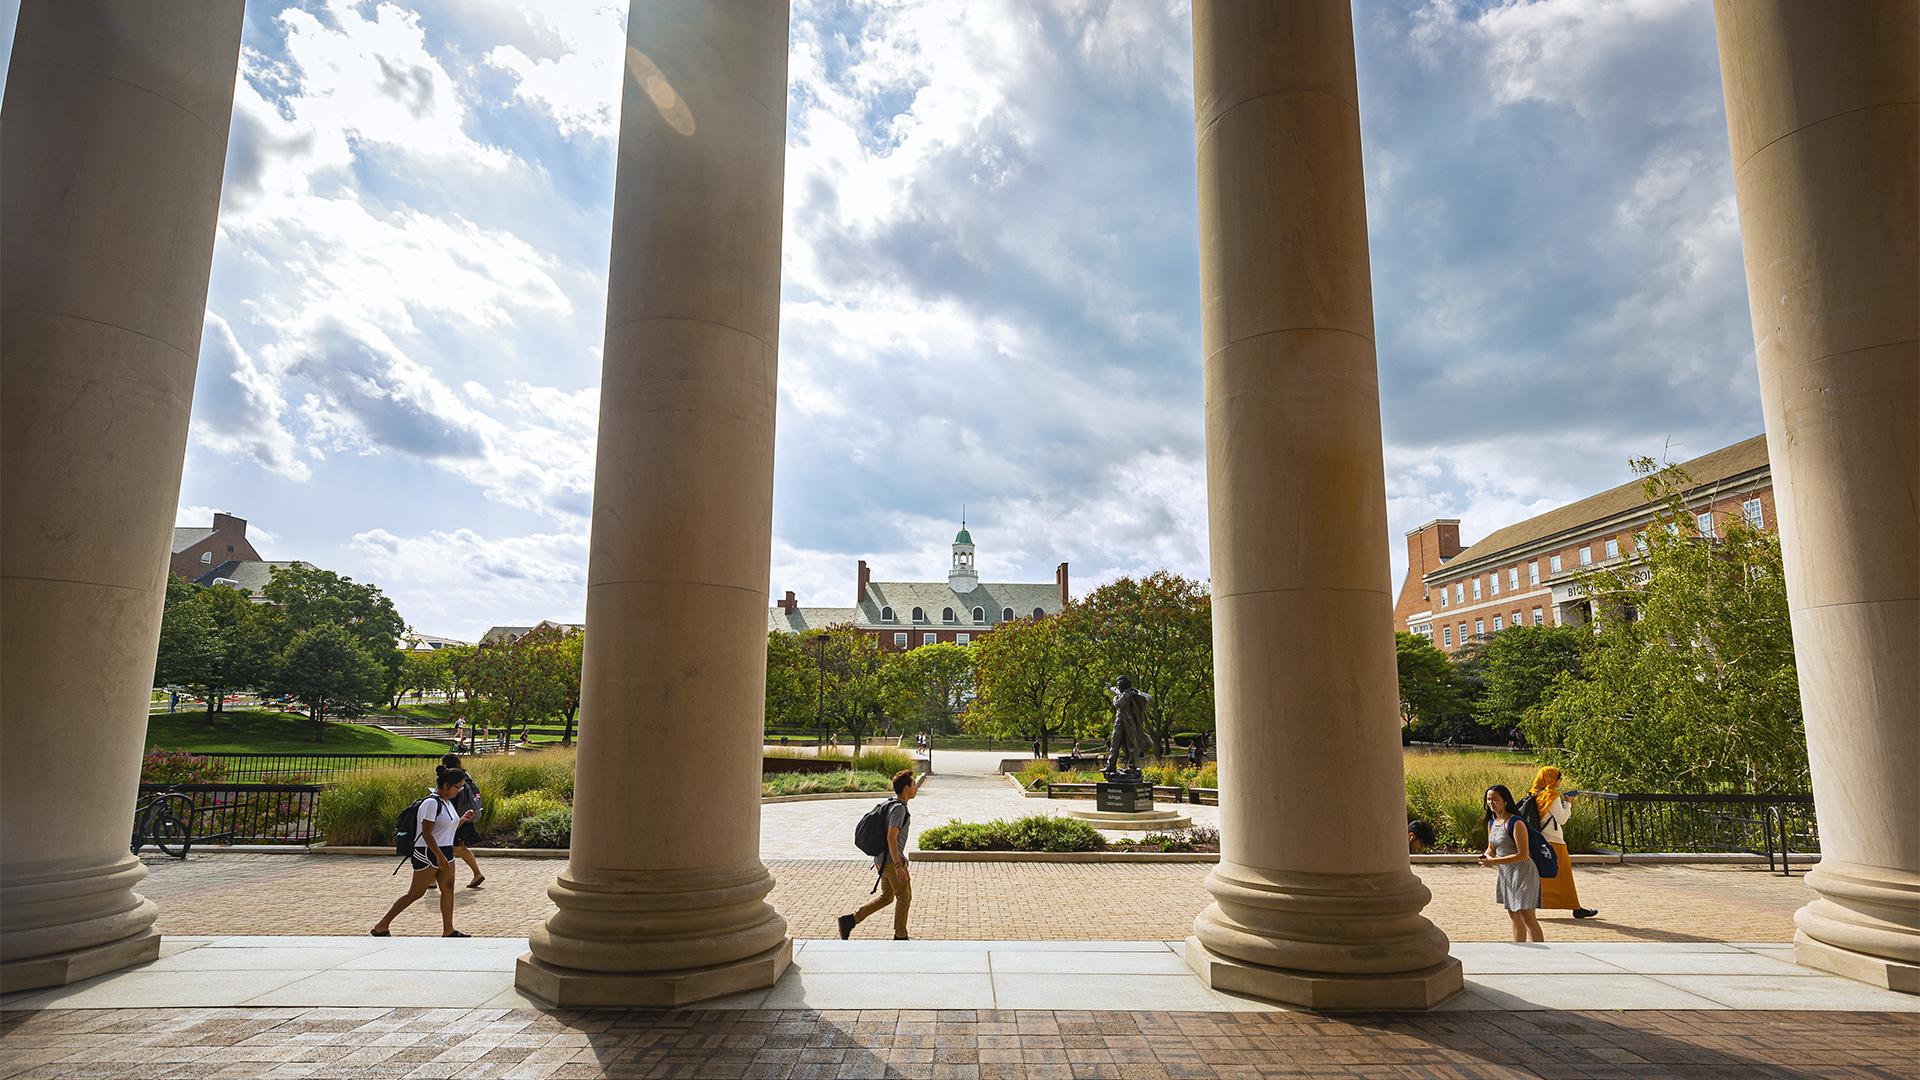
<point x="1123" y="797"/>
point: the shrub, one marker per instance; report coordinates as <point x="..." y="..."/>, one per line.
<point x="552" y="829"/>
<point x="814" y="783"/>
<point x="503" y="816"/>
<point x="1038" y="832"/>
<point x="511" y="774"/>
<point x="1036" y="773"/>
<point x="180" y="767"/>
<point x="883" y="761"/>
<point x="361" y="809"/>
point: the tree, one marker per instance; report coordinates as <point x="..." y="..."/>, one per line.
<point x="515" y="681"/>
<point x="1431" y="703"/>
<point x="1689" y="684"/>
<point x="1158" y="631"/>
<point x="212" y="641"/>
<point x="303" y="598"/>
<point x="422" y="671"/>
<point x="849" y="663"/>
<point x="565" y="657"/>
<point x="1519" y="664"/>
<point x="1030" y="683"/>
<point x="792" y="678"/>
<point x="928" y="687"/>
<point x="329" y="671"/>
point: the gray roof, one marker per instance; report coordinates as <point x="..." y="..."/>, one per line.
<point x="933" y="597"/>
<point x="252" y="574"/>
<point x="497" y="634"/>
<point x="186" y="538"/>
<point x="800" y="620"/>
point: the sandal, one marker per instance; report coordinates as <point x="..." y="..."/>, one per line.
<point x="456" y="933"/>
<point x="475" y="883"/>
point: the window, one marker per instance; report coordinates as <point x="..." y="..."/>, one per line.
<point x="1476" y="588"/>
<point x="928" y="639"/>
<point x="900" y="639"/>
<point x="1553" y="564"/>
<point x="947" y="615"/>
<point x="1479" y="628"/>
<point x="1425" y="630"/>
<point x="206" y="558"/>
<point x="1586" y="555"/>
<point x="1006" y="615"/>
<point x="1755" y="514"/>
<point x="1513" y="578"/>
<point x="1459" y="593"/>
<point x="1533" y="573"/>
<point x="962" y="639"/>
<point x="1443" y="598"/>
<point x="1516" y="620"/>
<point x="886" y="615"/>
<point x="1463" y="633"/>
<point x="1537" y="620"/>
<point x="1039" y="613"/>
<point x="1446" y="636"/>
<point x="1493" y="583"/>
<point x="1640" y="543"/>
<point x="979" y="614"/>
<point x="1705" y="521"/>
<point x="1496" y="624"/>
<point x="919" y="615"/>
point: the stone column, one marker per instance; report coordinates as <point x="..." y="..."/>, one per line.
<point x="1823" y="114"/>
<point x="663" y="900"/>
<point x="1314" y="902"/>
<point x="113" y="137"/>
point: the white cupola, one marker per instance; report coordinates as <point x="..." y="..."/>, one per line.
<point x="963" y="576"/>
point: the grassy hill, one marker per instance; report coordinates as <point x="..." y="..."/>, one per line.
<point x="251" y="731"/>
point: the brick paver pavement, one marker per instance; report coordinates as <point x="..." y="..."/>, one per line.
<point x="221" y="894"/>
<point x="957" y="1044"/>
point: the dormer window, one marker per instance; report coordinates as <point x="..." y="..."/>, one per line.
<point x="886" y="614"/>
<point x="946" y="615"/>
<point x="1006" y="615"/>
<point x="919" y="615"/>
<point x="979" y="614"/>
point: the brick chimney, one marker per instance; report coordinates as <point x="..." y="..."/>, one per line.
<point x="1060" y="579"/>
<point x="228" y="525"/>
<point x="788" y="604"/>
<point x="1428" y="548"/>
<point x="860" y="591"/>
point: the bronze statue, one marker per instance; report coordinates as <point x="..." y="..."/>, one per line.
<point x="1129" y="732"/>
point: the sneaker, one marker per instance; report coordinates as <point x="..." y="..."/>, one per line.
<point x="846" y="926"/>
<point x="1585" y="913"/>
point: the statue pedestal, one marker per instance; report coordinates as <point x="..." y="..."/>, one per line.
<point x="1123" y="797"/>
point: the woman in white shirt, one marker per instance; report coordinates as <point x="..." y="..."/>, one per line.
<point x="1557" y="893"/>
<point x="433" y="832"/>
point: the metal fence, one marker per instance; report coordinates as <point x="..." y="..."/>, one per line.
<point x="246" y="813"/>
<point x="309" y="768"/>
<point x="1773" y="826"/>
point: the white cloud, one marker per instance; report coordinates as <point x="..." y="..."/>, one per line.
<point x="459" y="582"/>
<point x="578" y="86"/>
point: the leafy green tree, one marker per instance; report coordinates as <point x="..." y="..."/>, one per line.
<point x="849" y="666"/>
<point x="926" y="688"/>
<point x="212" y="642"/>
<point x="565" y="657"/>
<point x="514" y="682"/>
<point x="1519" y="664"/>
<point x="1030" y="683"/>
<point x="302" y="598"/>
<point x="792" y="682"/>
<point x="1157" y="630"/>
<point x="1689" y="684"/>
<point x="329" y="671"/>
<point x="422" y="671"/>
<point x="1431" y="702"/>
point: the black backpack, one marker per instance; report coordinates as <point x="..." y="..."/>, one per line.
<point x="1538" y="849"/>
<point x="870" y="834"/>
<point x="406" y="826"/>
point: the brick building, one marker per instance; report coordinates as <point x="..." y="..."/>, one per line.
<point x="1527" y="573"/>
<point x="198" y="551"/>
<point x="908" y="614"/>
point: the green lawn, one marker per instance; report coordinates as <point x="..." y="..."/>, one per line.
<point x="253" y="732"/>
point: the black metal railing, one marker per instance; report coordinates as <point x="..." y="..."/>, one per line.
<point x="1773" y="826"/>
<point x="308" y="768"/>
<point x="246" y="813"/>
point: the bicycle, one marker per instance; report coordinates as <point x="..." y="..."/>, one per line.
<point x="166" y="819"/>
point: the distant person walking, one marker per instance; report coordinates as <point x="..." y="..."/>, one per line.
<point x="1557" y="893"/>
<point x="467" y="800"/>
<point x="896" y="887"/>
<point x="1518" y="886"/>
<point x="433" y="829"/>
<point x="1036" y="748"/>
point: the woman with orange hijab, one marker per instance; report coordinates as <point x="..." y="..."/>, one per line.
<point x="1557" y="893"/>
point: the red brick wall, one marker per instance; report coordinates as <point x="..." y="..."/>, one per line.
<point x="1428" y="547"/>
<point x="228" y="542"/>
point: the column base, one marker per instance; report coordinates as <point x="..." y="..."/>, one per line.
<point x="1873" y="970"/>
<point x="1407" y="990"/>
<point x="574" y="988"/>
<point x="66" y="968"/>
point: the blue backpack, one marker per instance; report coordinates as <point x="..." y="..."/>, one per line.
<point x="1538" y="849"/>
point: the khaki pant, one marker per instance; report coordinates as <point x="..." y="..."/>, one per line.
<point x="895" y="889"/>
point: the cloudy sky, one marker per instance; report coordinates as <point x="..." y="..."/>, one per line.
<point x="990" y="294"/>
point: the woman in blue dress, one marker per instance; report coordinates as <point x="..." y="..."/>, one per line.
<point x="1518" y="887"/>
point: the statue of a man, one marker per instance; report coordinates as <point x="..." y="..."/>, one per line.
<point x="1129" y="731"/>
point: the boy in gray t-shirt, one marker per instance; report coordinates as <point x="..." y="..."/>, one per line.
<point x="895" y="886"/>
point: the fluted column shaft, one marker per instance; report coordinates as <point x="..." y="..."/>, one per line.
<point x="113" y="139"/>
<point x="663" y="899"/>
<point x="1314" y="900"/>
<point x="1823" y="117"/>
